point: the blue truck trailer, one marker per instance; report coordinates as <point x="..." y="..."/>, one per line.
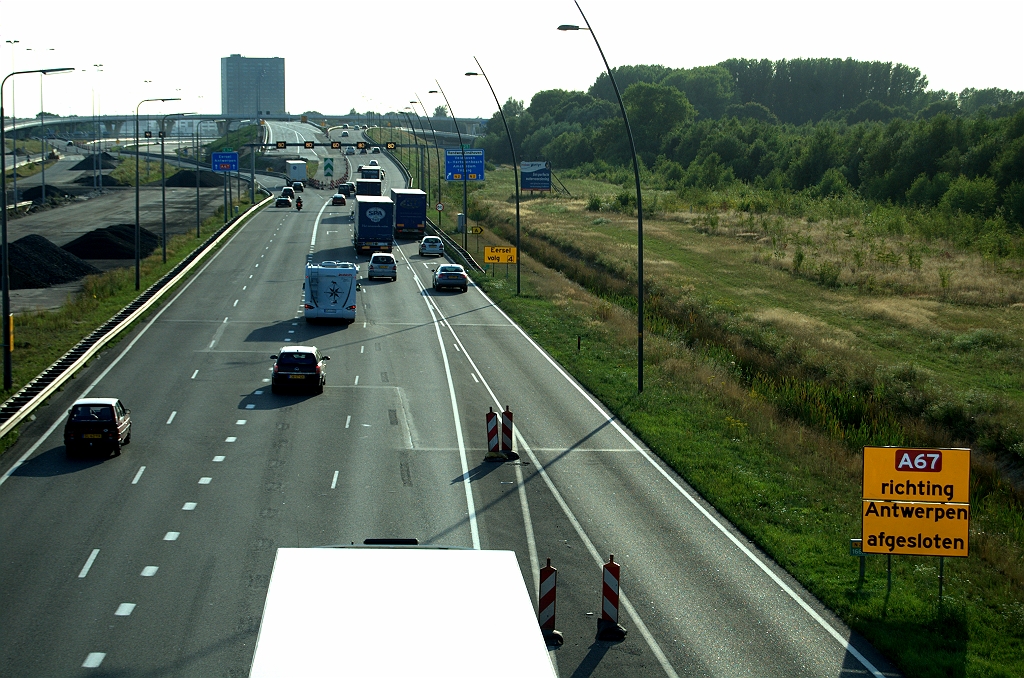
<point x="375" y="224"/>
<point x="410" y="211"/>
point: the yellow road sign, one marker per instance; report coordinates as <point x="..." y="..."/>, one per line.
<point x="915" y="528"/>
<point x="477" y="230"/>
<point x="917" y="474"/>
<point x="500" y="255"/>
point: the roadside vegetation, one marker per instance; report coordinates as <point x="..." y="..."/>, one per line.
<point x="149" y="171"/>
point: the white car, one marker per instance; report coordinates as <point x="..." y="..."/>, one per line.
<point x="431" y="244"/>
<point x="350" y="150"/>
<point x="382" y="265"/>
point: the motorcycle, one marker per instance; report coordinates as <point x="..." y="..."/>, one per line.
<point x="298" y="206"/>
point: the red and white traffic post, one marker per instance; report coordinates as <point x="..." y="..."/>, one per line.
<point x="546" y="605"/>
<point x="608" y="627"/>
<point x="493" y="436"/>
<point x="506" y="434"/>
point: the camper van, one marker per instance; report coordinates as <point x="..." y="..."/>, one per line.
<point x="330" y="291"/>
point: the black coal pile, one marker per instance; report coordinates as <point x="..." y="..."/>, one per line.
<point x="37" y="262"/>
<point x="113" y="242"/>
<point x="106" y="161"/>
<point x="187" y="179"/>
<point x="35" y="193"/>
<point x="88" y="180"/>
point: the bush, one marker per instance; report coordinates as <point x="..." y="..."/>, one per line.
<point x="973" y="196"/>
<point x="594" y="203"/>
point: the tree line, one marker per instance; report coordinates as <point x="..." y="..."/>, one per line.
<point x="827" y="126"/>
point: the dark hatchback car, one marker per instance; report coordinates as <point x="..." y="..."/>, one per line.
<point x="97" y="425"/>
<point x="299" y="367"/>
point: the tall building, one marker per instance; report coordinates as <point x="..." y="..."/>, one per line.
<point x="251" y="87"/>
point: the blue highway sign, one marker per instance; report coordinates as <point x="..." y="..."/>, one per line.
<point x="224" y="162"/>
<point x="474" y="170"/>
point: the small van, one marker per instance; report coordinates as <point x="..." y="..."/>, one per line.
<point x="329" y="292"/>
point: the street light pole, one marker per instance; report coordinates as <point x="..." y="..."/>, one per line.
<point x="437" y="152"/>
<point x="419" y="165"/>
<point x="639" y="204"/>
<point x="465" y="211"/>
<point x="515" y="162"/>
<point x="426" y="151"/>
<point x="138" y="227"/>
<point x="5" y="262"/>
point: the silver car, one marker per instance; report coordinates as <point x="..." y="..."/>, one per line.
<point x="431" y="244"/>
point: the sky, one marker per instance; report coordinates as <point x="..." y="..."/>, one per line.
<point x="380" y="55"/>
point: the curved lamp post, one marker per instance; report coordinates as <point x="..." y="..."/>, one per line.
<point x="465" y="211"/>
<point x="424" y="133"/>
<point x="6" y="273"/>
<point x="138" y="232"/>
<point x="412" y="128"/>
<point x="515" y="162"/>
<point x="426" y="150"/>
<point x="437" y="152"/>
<point x="639" y="206"/>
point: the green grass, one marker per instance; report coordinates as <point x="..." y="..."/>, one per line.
<point x="761" y="384"/>
<point x="149" y="171"/>
<point x="30" y="169"/>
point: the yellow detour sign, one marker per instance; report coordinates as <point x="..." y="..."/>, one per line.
<point x="500" y="255"/>
<point x="915" y="528"/>
<point x="912" y="474"/>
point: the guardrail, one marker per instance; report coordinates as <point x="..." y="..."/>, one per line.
<point x="450" y="244"/>
<point x="34" y="393"/>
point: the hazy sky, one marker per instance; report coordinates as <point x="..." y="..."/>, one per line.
<point x="376" y="56"/>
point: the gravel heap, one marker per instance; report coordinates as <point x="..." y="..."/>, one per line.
<point x="37" y="262"/>
<point x="87" y="180"/>
<point x="107" y="161"/>
<point x="113" y="242"/>
<point x="187" y="179"/>
<point x="35" y="193"/>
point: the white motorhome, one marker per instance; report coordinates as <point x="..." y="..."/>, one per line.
<point x="375" y="611"/>
<point x="330" y="291"/>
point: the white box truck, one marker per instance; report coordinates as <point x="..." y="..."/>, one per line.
<point x="330" y="291"/>
<point x="296" y="170"/>
<point x="376" y="611"/>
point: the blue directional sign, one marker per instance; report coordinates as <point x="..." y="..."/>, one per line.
<point x="224" y="162"/>
<point x="474" y="169"/>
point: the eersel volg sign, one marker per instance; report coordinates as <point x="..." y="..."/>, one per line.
<point x="916" y="501"/>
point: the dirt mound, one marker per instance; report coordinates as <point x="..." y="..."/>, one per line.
<point x="35" y="193"/>
<point x="107" y="161"/>
<point x="113" y="242"/>
<point x="87" y="180"/>
<point x="187" y="179"/>
<point x="37" y="262"/>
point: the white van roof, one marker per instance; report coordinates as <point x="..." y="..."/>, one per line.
<point x="360" y="611"/>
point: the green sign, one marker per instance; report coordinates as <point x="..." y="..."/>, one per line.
<point x="328" y="167"/>
<point x="227" y="150"/>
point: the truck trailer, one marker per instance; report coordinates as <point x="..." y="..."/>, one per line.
<point x="371" y="172"/>
<point x="410" y="211"/>
<point x="375" y="224"/>
<point x="296" y="170"/>
<point x="329" y="291"/>
<point x="369" y="187"/>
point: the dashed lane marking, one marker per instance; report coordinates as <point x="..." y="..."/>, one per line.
<point x="189" y="506"/>
<point x="172" y="536"/>
<point x="88" y="563"/>
<point x="174" y="413"/>
<point x="149" y="571"/>
<point x="138" y="475"/>
<point x="124" y="609"/>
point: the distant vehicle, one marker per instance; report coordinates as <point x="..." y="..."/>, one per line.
<point x="97" y="425"/>
<point x="410" y="211"/>
<point x="345" y="190"/>
<point x="375" y="223"/>
<point x="382" y="265"/>
<point x="344" y="134"/>
<point x="350" y="150"/>
<point x="299" y="367"/>
<point x="431" y="244"/>
<point x="329" y="291"/>
<point x="362" y="151"/>
<point x="338" y="199"/>
<point x="296" y="169"/>
<point x="375" y="149"/>
<point x="450" y="275"/>
<point x="370" y="172"/>
<point x="283" y="201"/>
<point x="369" y="187"/>
<point x="298" y="187"/>
<point x="344" y="127"/>
<point x="375" y="163"/>
<point x="351" y="187"/>
<point x="288" y="192"/>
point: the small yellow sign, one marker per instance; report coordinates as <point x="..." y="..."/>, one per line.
<point x="917" y="474"/>
<point x="500" y="255"/>
<point x="915" y="528"/>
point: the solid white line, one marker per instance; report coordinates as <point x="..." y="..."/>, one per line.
<point x="171" y="418"/>
<point x="88" y="563"/>
<point x="138" y="475"/>
<point x="334" y="483"/>
<point x="194" y="374"/>
<point x="348" y="420"/>
<point x="729" y="535"/>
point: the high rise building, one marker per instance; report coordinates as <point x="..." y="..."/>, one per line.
<point x="251" y="87"/>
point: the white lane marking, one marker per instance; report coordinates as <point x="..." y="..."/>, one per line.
<point x="149" y="571"/>
<point x="235" y="304"/>
<point x="138" y="475"/>
<point x="174" y="413"/>
<point x="250" y="406"/>
<point x="362" y="348"/>
<point x="364" y="324"/>
<point x="93" y="660"/>
<point x="194" y="374"/>
<point x="257" y="266"/>
<point x="240" y="422"/>
<point x="259" y="392"/>
<point x="334" y="483"/>
<point x="288" y="339"/>
<point x="829" y="629"/>
<point x="470" y="504"/>
<point x="245" y="286"/>
<point x="125" y="609"/>
<point x="230" y="439"/>
<point x="456" y="344"/>
<point x="205" y="480"/>
<point x="189" y="506"/>
<point x="88" y="563"/>
<point x="348" y="420"/>
<point x="266" y="381"/>
<point x="357" y="380"/>
<point x="219" y="457"/>
<point x="474" y="377"/>
<point x="316" y="225"/>
<point x="293" y="331"/>
<point x="172" y="536"/>
<point x="295" y="324"/>
<point x="250" y="277"/>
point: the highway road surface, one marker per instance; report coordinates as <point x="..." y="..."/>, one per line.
<point x="156" y="562"/>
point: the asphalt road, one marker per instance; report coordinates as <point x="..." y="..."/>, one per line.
<point x="156" y="563"/>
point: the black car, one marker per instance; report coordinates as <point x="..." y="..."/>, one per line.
<point x="97" y="425"/>
<point x="345" y="190"/>
<point x="299" y="367"/>
<point x="283" y="201"/>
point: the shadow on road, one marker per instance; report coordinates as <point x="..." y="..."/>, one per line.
<point x="53" y="462"/>
<point x="296" y="329"/>
<point x="594" y="656"/>
<point x="262" y="399"/>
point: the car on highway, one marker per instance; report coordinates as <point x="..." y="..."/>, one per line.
<point x="382" y="265"/>
<point x="351" y="187"/>
<point x="344" y="190"/>
<point x="97" y="425"/>
<point x="344" y="134"/>
<point x="344" y="127"/>
<point x="299" y="367"/>
<point x="283" y="201"/>
<point x="431" y="244"/>
<point x="374" y="163"/>
<point x="362" y="151"/>
<point x="375" y="149"/>
<point x="288" y="192"/>
<point x="350" y="150"/>
<point x="298" y="187"/>
<point x="451" y="275"/>
<point x="338" y="199"/>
